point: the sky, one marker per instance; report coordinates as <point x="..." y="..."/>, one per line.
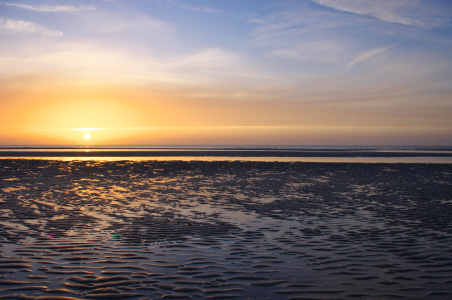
<point x="226" y="72"/>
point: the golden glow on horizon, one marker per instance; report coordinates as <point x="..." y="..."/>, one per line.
<point x="61" y="114"/>
<point x="88" y="129"/>
<point x="57" y="114"/>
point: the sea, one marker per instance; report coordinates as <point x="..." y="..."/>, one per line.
<point x="348" y="153"/>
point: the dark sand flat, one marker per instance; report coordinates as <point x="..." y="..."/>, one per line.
<point x="224" y="230"/>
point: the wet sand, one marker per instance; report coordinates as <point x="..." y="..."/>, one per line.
<point x="220" y="230"/>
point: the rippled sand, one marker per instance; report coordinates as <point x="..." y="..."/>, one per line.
<point x="220" y="230"/>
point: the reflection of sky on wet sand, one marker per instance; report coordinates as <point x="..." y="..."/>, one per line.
<point x="317" y="224"/>
<point x="421" y="160"/>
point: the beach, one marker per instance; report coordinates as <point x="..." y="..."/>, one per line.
<point x="100" y="229"/>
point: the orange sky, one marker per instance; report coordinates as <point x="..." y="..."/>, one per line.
<point x="43" y="114"/>
<point x="233" y="74"/>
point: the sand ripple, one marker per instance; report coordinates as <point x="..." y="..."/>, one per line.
<point x="219" y="230"/>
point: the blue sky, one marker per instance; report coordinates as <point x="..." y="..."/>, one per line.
<point x="282" y="64"/>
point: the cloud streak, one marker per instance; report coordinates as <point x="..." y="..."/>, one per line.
<point x="406" y="12"/>
<point x="14" y="27"/>
<point x="205" y="9"/>
<point x="93" y="63"/>
<point x="368" y="55"/>
<point x="309" y="36"/>
<point x="51" y="8"/>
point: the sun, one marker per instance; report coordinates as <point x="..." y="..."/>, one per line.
<point x="87" y="136"/>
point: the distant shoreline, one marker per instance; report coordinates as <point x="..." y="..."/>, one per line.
<point x="218" y="153"/>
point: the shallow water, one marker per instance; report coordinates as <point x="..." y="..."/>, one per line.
<point x="218" y="230"/>
<point x="394" y="160"/>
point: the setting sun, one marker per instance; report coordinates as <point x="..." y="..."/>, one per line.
<point x="87" y="136"/>
<point x="147" y="73"/>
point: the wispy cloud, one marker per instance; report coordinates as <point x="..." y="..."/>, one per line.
<point x="325" y="51"/>
<point x="306" y="35"/>
<point x="311" y="34"/>
<point x="210" y="60"/>
<point x="210" y="10"/>
<point x="205" y="9"/>
<point x="93" y="63"/>
<point x="51" y="8"/>
<point x="13" y="27"/>
<point x="115" y="23"/>
<point x="367" y="55"/>
<point x="419" y="13"/>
